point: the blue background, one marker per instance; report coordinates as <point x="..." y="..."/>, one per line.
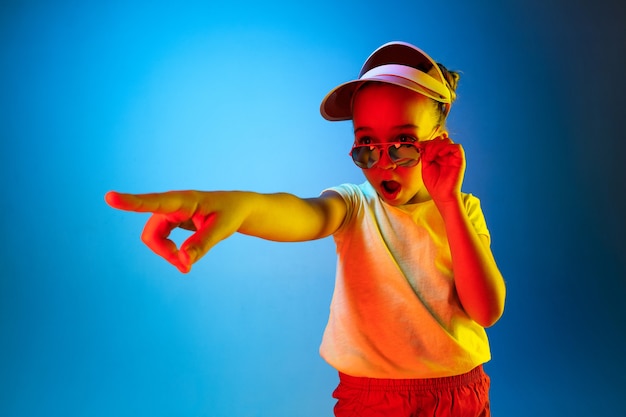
<point x="153" y="96"/>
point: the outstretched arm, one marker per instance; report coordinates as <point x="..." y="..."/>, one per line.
<point x="478" y="280"/>
<point x="214" y="216"/>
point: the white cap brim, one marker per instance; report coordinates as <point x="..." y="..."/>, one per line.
<point x="337" y="105"/>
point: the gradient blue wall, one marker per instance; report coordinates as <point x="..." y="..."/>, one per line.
<point x="153" y="96"/>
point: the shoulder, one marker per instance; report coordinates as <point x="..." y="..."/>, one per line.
<point x="356" y="199"/>
<point x="475" y="213"/>
<point x="354" y="194"/>
<point x="470" y="200"/>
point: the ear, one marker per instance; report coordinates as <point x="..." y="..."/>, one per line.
<point x="446" y="108"/>
<point x="440" y="132"/>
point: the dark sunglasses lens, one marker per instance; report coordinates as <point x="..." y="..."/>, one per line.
<point x="364" y="157"/>
<point x="404" y="155"/>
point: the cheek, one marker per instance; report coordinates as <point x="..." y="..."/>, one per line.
<point x="370" y="176"/>
<point x="412" y="182"/>
<point x="416" y="174"/>
<point x="412" y="175"/>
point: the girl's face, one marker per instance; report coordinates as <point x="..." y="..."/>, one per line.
<point x="384" y="113"/>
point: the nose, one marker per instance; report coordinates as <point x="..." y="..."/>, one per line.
<point x="385" y="161"/>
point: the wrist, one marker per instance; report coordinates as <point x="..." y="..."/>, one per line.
<point x="450" y="206"/>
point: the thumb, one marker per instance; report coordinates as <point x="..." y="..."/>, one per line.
<point x="207" y="235"/>
<point x="187" y="257"/>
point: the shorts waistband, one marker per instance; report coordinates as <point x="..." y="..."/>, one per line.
<point x="448" y="382"/>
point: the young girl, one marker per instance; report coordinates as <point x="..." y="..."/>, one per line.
<point x="416" y="281"/>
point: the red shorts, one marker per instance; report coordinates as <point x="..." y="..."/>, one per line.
<point x="464" y="395"/>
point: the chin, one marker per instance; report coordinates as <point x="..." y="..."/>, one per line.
<point x="393" y="199"/>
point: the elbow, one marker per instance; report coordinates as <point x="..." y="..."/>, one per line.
<point x="489" y="319"/>
<point x="482" y="297"/>
<point x="490" y="314"/>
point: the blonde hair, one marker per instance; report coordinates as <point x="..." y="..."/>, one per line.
<point x="452" y="81"/>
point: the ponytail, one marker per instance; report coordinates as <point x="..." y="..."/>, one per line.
<point x="451" y="81"/>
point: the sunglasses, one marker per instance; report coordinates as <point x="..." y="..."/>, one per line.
<point x="400" y="153"/>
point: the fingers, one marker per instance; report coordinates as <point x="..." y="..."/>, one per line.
<point x="170" y="210"/>
<point x="443" y="167"/>
<point x="122" y="201"/>
<point x="209" y="231"/>
<point x="156" y="236"/>
<point x="442" y="151"/>
<point x="170" y="202"/>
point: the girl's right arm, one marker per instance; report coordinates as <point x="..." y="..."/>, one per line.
<point x="214" y="216"/>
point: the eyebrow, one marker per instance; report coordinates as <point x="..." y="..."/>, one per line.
<point x="399" y="127"/>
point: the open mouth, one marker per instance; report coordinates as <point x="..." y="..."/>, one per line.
<point x="390" y="187"/>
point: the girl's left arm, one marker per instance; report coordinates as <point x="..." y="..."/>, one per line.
<point x="478" y="280"/>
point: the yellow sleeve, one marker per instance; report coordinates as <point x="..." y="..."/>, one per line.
<point x="476" y="216"/>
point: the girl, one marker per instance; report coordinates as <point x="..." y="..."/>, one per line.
<point x="416" y="280"/>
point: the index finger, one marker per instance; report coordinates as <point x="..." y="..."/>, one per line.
<point x="163" y="203"/>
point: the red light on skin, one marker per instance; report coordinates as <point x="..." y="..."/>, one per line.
<point x="170" y="211"/>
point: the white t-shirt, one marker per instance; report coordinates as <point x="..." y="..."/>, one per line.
<point x="395" y="312"/>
